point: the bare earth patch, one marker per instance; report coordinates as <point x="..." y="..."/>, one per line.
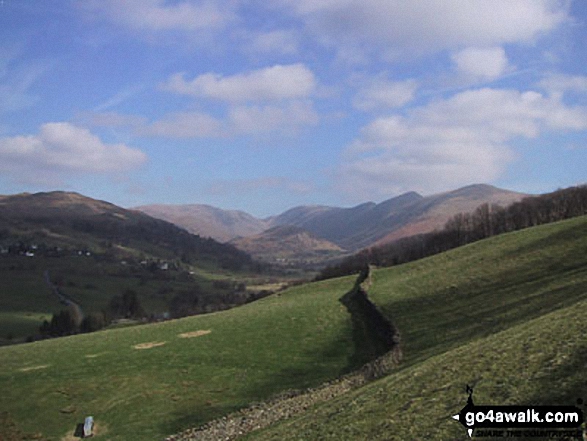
<point x="194" y="334"/>
<point x="92" y="355"/>
<point x="33" y="368"/>
<point x="149" y="345"/>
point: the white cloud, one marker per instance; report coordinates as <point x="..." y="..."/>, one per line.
<point x="269" y="84"/>
<point x="64" y="148"/>
<point x="385" y="94"/>
<point x="158" y="15"/>
<point x="425" y="25"/>
<point x="483" y="63"/>
<point x="449" y="143"/>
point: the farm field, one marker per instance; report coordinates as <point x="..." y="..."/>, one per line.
<point x="478" y="315"/>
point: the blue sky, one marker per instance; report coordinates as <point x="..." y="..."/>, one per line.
<point x="262" y="106"/>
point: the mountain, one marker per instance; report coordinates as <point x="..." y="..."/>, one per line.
<point x="70" y="220"/>
<point x="286" y="243"/>
<point x="207" y="221"/>
<point x="433" y="211"/>
<point x="351" y="228"/>
<point x="368" y="224"/>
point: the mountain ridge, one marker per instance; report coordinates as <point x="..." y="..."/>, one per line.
<point x="351" y="228"/>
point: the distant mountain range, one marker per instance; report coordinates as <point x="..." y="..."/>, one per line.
<point x="207" y="221"/>
<point x="348" y="229"/>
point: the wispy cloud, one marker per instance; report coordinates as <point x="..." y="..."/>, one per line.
<point x="279" y="41"/>
<point x="120" y="97"/>
<point x="17" y="80"/>
<point x="183" y="125"/>
<point x="384" y="94"/>
<point x="158" y="15"/>
<point x="243" y="119"/>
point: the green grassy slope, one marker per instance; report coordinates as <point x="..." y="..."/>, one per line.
<point x="542" y="361"/>
<point x="480" y="315"/>
<point x="441" y="302"/>
<point x="298" y="339"/>
<point x="303" y="336"/>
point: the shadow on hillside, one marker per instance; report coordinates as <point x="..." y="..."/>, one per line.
<point x="563" y="237"/>
<point x="442" y="319"/>
<point x="561" y="385"/>
<point x="283" y="383"/>
<point x="565" y="383"/>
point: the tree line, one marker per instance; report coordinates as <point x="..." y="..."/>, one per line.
<point x="70" y="321"/>
<point x="464" y="228"/>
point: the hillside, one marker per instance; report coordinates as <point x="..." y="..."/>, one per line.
<point x="472" y="315"/>
<point x="207" y="221"/>
<point x="71" y="220"/>
<point x="522" y="365"/>
<point x="349" y="228"/>
<point x="93" y="250"/>
<point x="432" y="212"/>
<point x="288" y="244"/>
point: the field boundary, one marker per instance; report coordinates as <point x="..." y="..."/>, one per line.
<point x="291" y="403"/>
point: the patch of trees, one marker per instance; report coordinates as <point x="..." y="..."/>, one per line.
<point x="198" y="301"/>
<point x="126" y="306"/>
<point x="69" y="322"/>
<point x="464" y="228"/>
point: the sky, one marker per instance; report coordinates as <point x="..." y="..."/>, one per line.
<point x="262" y="105"/>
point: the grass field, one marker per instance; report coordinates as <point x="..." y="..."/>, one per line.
<point x="504" y="315"/>
<point x="299" y="339"/>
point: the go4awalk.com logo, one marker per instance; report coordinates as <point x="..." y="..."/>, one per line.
<point x="521" y="421"/>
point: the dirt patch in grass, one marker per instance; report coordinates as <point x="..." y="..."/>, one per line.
<point x="34" y="368"/>
<point x="93" y="355"/>
<point x="194" y="334"/>
<point x="149" y="345"/>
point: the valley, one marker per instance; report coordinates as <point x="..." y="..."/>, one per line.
<point x="455" y="312"/>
